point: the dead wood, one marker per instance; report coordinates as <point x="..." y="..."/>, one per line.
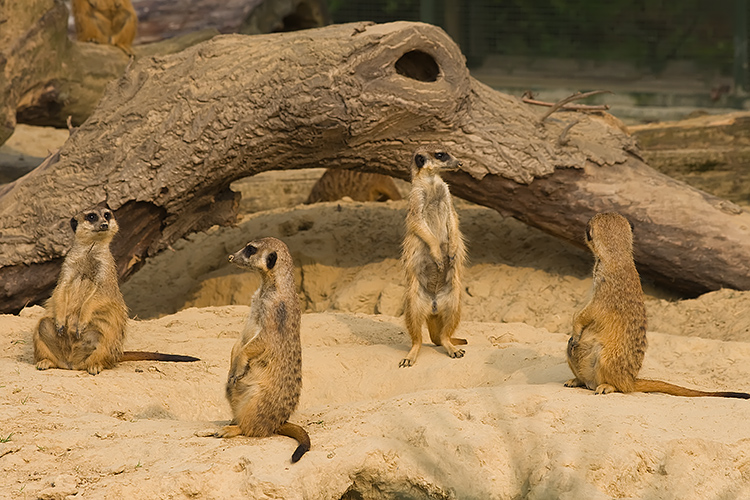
<point x="169" y="137"/>
<point x="45" y="77"/>
<point x="563" y="102"/>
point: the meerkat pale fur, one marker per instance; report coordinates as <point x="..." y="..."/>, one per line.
<point x="112" y="22"/>
<point x="336" y="183"/>
<point x="433" y="255"/>
<point x="265" y="375"/>
<point x="608" y="344"/>
<point x="84" y="324"/>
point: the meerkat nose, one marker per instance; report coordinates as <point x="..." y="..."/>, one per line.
<point x="231" y="258"/>
<point x="104" y="226"/>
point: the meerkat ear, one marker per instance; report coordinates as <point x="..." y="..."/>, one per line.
<point x="271" y="260"/>
<point x="420" y="160"/>
<point x="73" y="223"/>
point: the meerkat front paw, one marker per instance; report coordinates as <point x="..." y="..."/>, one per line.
<point x="44" y="364"/>
<point x="94" y="369"/>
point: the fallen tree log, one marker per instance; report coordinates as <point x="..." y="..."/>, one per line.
<point x="45" y="77"/>
<point x="170" y="136"/>
<point x="710" y="152"/>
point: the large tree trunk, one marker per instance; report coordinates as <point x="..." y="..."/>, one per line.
<point x="710" y="152"/>
<point x="171" y="135"/>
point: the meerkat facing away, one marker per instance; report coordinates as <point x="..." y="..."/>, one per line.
<point x="265" y="375"/>
<point x="84" y="324"/>
<point x="112" y="22"/>
<point x="433" y="255"/>
<point x="336" y="183"/>
<point x="608" y="344"/>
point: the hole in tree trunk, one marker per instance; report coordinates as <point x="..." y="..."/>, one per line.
<point x="418" y="65"/>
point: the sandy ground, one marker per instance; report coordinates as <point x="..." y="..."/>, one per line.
<point x="497" y="423"/>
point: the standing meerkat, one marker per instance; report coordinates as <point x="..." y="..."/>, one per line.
<point x="265" y="374"/>
<point x="433" y="256"/>
<point x="608" y="343"/>
<point x="84" y="324"/>
<point x="112" y="22"/>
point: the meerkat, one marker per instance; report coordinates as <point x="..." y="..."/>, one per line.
<point x="336" y="183"/>
<point x="84" y="324"/>
<point x="265" y="374"/>
<point x="433" y="256"/>
<point x="608" y="344"/>
<point x="112" y="22"/>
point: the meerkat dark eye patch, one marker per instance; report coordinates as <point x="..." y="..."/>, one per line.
<point x="249" y="250"/>
<point x="420" y="161"/>
<point x="271" y="260"/>
<point x="73" y="223"/>
<point x="442" y="156"/>
<point x="589" y="236"/>
<point x="92" y="217"/>
<point x="107" y="215"/>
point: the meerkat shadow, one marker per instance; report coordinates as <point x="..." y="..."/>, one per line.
<point x="375" y="332"/>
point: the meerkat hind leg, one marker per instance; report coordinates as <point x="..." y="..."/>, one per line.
<point x="414" y="326"/>
<point x="605" y="389"/>
<point x="49" y="347"/>
<point x="574" y="382"/>
<point x="90" y="353"/>
<point x="441" y="329"/>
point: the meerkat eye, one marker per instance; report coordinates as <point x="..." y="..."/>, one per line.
<point x="107" y="215"/>
<point x="442" y="156"/>
<point x="92" y="217"/>
<point x="271" y="260"/>
<point x="249" y="250"/>
<point x="420" y="161"/>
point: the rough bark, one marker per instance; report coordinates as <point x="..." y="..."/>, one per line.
<point x="710" y="152"/>
<point x="46" y="77"/>
<point x="170" y="136"/>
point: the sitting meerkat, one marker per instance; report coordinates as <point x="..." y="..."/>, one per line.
<point x="433" y="256"/>
<point x="336" y="183"/>
<point x="265" y="375"/>
<point x="84" y="324"/>
<point x="112" y="22"/>
<point x="608" y="344"/>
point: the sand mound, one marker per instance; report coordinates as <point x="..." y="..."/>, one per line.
<point x="495" y="424"/>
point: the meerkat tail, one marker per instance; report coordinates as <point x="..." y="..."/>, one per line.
<point x="155" y="356"/>
<point x="645" y="385"/>
<point x="457" y="341"/>
<point x="296" y="432"/>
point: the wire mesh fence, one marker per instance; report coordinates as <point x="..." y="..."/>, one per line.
<point x="650" y="35"/>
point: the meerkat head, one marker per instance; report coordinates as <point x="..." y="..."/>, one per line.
<point x="430" y="160"/>
<point x="95" y="224"/>
<point x="609" y="234"/>
<point x="262" y="255"/>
